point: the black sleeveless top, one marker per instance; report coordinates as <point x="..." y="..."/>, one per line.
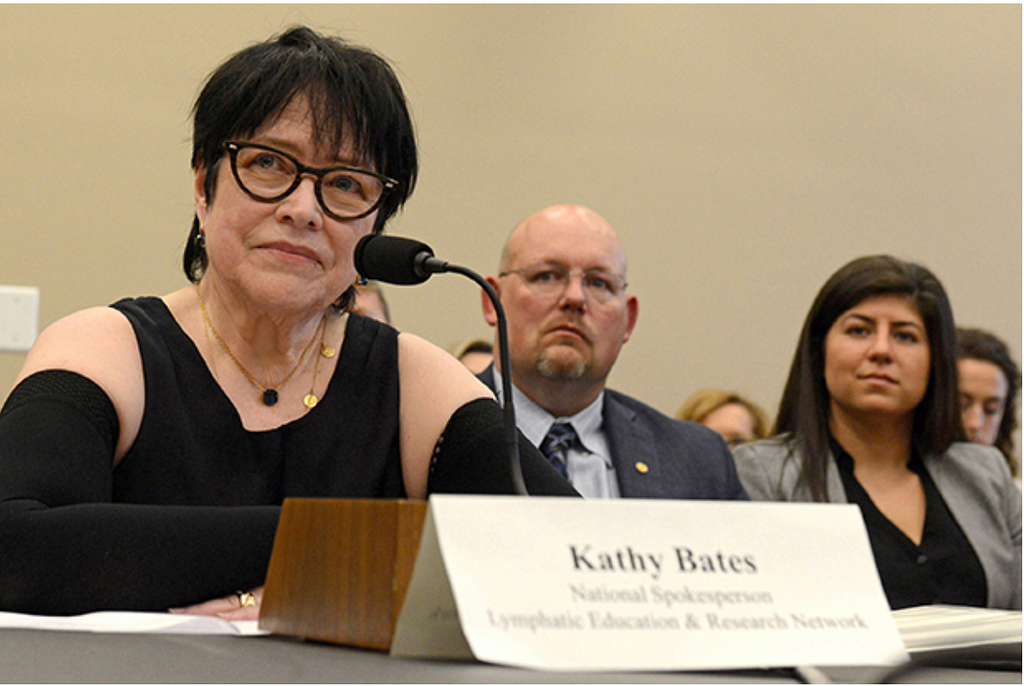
<point x="193" y="449"/>
<point x="192" y="510"/>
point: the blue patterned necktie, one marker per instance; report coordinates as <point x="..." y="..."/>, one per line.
<point x="556" y="444"/>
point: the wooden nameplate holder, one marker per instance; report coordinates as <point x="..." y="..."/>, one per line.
<point x="340" y="568"/>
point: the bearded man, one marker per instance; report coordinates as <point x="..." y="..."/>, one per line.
<point x="562" y="284"/>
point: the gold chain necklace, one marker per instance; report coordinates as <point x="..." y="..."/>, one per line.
<point x="327" y="351"/>
<point x="270" y="395"/>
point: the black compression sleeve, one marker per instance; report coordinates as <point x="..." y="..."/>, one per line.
<point x="66" y="549"/>
<point x="471" y="457"/>
<point x="58" y="430"/>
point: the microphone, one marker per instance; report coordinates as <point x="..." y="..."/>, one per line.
<point x="397" y="260"/>
<point x="407" y="262"/>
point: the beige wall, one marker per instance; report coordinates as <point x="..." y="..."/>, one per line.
<point x="742" y="152"/>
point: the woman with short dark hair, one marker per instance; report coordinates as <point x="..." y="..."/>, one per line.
<point x="869" y="415"/>
<point x="147" y="447"/>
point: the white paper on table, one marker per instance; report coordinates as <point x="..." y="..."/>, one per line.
<point x="131" y="623"/>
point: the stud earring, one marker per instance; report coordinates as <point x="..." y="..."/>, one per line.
<point x="361" y="281"/>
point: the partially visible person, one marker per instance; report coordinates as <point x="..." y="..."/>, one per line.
<point x="736" y="418"/>
<point x="989" y="388"/>
<point x="562" y="284"/>
<point x="370" y="302"/>
<point x="147" y="447"/>
<point x="870" y="416"/>
<point x="476" y="354"/>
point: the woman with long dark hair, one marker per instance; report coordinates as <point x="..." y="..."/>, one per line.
<point x="989" y="388"/>
<point x="870" y="415"/>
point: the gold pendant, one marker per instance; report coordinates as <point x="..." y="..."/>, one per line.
<point x="310" y="401"/>
<point x="326" y="350"/>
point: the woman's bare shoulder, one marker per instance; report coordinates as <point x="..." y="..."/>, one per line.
<point x="100" y="344"/>
<point x="94" y="342"/>
<point x="422" y="363"/>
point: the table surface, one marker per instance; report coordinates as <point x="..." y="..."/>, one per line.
<point x="37" y="656"/>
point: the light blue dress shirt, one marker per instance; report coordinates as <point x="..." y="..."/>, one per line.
<point x="589" y="465"/>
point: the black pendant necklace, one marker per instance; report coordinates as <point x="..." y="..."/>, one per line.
<point x="270" y="395"/>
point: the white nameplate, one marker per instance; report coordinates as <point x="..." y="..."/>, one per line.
<point x="566" y="584"/>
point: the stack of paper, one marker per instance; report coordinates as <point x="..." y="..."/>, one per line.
<point x="967" y="633"/>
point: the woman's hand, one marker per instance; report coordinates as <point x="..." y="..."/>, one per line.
<point x="239" y="606"/>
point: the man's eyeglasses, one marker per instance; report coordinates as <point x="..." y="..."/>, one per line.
<point x="269" y="175"/>
<point x="551" y="281"/>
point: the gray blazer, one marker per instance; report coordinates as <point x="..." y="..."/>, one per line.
<point x="975" y="482"/>
<point x="683" y="460"/>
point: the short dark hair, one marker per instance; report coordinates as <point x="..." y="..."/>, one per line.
<point x="804" y="410"/>
<point x="978" y="344"/>
<point x="476" y="345"/>
<point x="354" y="96"/>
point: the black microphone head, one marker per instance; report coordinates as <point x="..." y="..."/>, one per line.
<point x="391" y="259"/>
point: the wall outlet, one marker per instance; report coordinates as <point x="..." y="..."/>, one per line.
<point x="19" y="317"/>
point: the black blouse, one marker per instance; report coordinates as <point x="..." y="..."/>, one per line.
<point x="944" y="569"/>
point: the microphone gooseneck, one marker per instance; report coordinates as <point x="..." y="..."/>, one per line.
<point x="406" y="262"/>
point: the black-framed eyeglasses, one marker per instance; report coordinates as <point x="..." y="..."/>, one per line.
<point x="270" y="175"/>
<point x="550" y="281"/>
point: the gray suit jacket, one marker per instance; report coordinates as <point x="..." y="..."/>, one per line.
<point x="683" y="460"/>
<point x="975" y="482"/>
